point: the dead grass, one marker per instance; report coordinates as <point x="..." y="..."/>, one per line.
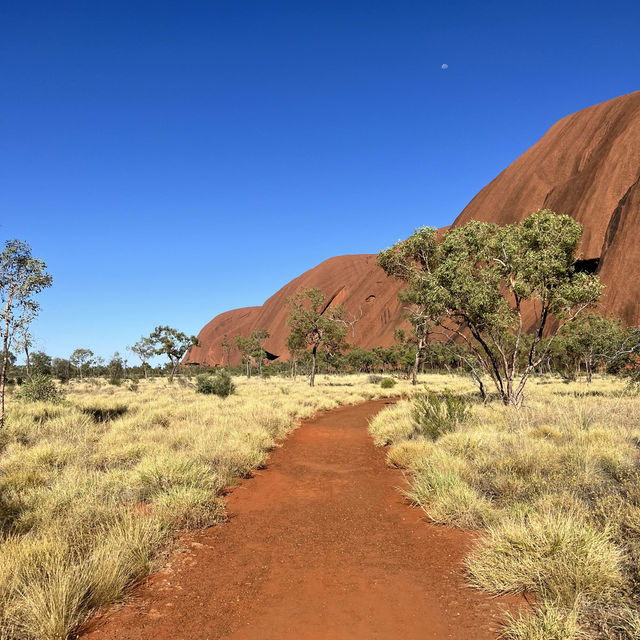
<point x="93" y="490"/>
<point x="556" y="487"/>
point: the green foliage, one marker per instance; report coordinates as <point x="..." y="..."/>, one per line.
<point x="172" y="343"/>
<point x="61" y="369"/>
<point x="80" y="359"/>
<point x="387" y="383"/>
<point x="144" y="349"/>
<point x="41" y="388"/>
<point x="21" y="277"/>
<point x="219" y="384"/>
<point x="315" y="323"/>
<point x="434" y="415"/>
<point x="473" y="283"/>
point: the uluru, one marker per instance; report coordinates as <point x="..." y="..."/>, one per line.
<point x="587" y="166"/>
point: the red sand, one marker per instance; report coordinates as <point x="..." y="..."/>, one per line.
<point x="319" y="545"/>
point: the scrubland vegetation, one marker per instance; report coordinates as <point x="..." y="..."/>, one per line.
<point x="554" y="486"/>
<point x="94" y="486"/>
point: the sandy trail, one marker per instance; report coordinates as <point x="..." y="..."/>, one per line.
<point x="319" y="545"/>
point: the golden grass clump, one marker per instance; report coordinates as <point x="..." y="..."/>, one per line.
<point x="556" y="487"/>
<point x="93" y="489"/>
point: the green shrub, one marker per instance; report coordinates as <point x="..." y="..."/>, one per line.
<point x="434" y="415"/>
<point x="219" y="384"/>
<point x="40" y="389"/>
<point x="387" y="383"/>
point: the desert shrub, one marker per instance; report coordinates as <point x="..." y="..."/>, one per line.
<point x="374" y="378"/>
<point x="219" y="384"/>
<point x="548" y="622"/>
<point x="447" y="499"/>
<point x="434" y="415"/>
<point x="387" y="383"/>
<point x="557" y="554"/>
<point x="392" y="425"/>
<point x="40" y="389"/>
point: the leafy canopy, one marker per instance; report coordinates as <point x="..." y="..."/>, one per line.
<point x="476" y="283"/>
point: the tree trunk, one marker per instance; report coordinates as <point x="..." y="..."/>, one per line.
<point x="416" y="364"/>
<point x="27" y="361"/>
<point x="248" y="369"/>
<point x="5" y="362"/>
<point x="312" y="379"/>
<point x="174" y="366"/>
<point x="144" y="369"/>
<point x="588" y="369"/>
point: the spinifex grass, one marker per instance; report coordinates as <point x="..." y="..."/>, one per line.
<point x="92" y="489"/>
<point x="556" y="487"/>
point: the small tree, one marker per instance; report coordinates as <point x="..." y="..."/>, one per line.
<point x="296" y="345"/>
<point x="21" y="277"/>
<point x="314" y="322"/>
<point x="172" y="343"/>
<point x="41" y="363"/>
<point x="257" y="338"/>
<point x="475" y="284"/>
<point x="80" y="359"/>
<point x="145" y="350"/>
<point x="245" y="347"/>
<point x="115" y="368"/>
<point x="61" y="369"/>
<point x="226" y="349"/>
<point x="592" y="339"/>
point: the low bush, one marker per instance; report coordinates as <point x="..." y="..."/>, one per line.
<point x="40" y="389"/>
<point x="434" y="415"/>
<point x="387" y="383"/>
<point x="374" y="378"/>
<point x="220" y="384"/>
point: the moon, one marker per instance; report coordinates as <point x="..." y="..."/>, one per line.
<point x="444" y="67"/>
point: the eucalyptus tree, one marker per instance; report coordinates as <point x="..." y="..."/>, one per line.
<point x="81" y="359"/>
<point x="479" y="284"/>
<point x="315" y="323"/>
<point x="257" y="338"/>
<point x="145" y="350"/>
<point x="245" y="346"/>
<point x="21" y="278"/>
<point x="172" y="343"/>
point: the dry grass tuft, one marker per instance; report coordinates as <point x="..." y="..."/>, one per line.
<point x="556" y="485"/>
<point x="93" y="490"/>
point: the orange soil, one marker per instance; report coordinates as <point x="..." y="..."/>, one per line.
<point x="319" y="545"/>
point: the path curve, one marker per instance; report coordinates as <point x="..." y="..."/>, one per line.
<point x="320" y="545"/>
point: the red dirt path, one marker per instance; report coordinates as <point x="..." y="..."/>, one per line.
<point x="319" y="545"/>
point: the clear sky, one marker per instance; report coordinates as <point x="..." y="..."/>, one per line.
<point x="172" y="160"/>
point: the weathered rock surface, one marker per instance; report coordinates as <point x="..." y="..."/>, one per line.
<point x="355" y="282"/>
<point x="587" y="166"/>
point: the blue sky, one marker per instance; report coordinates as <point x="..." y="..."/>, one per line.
<point x="172" y="160"/>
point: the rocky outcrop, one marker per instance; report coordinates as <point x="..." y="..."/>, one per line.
<point x="369" y="298"/>
<point x="587" y="166"/>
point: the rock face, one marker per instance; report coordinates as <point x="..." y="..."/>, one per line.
<point x="355" y="282"/>
<point x="587" y="166"/>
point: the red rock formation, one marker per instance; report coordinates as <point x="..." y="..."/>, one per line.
<point x="355" y="282"/>
<point x="587" y="165"/>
